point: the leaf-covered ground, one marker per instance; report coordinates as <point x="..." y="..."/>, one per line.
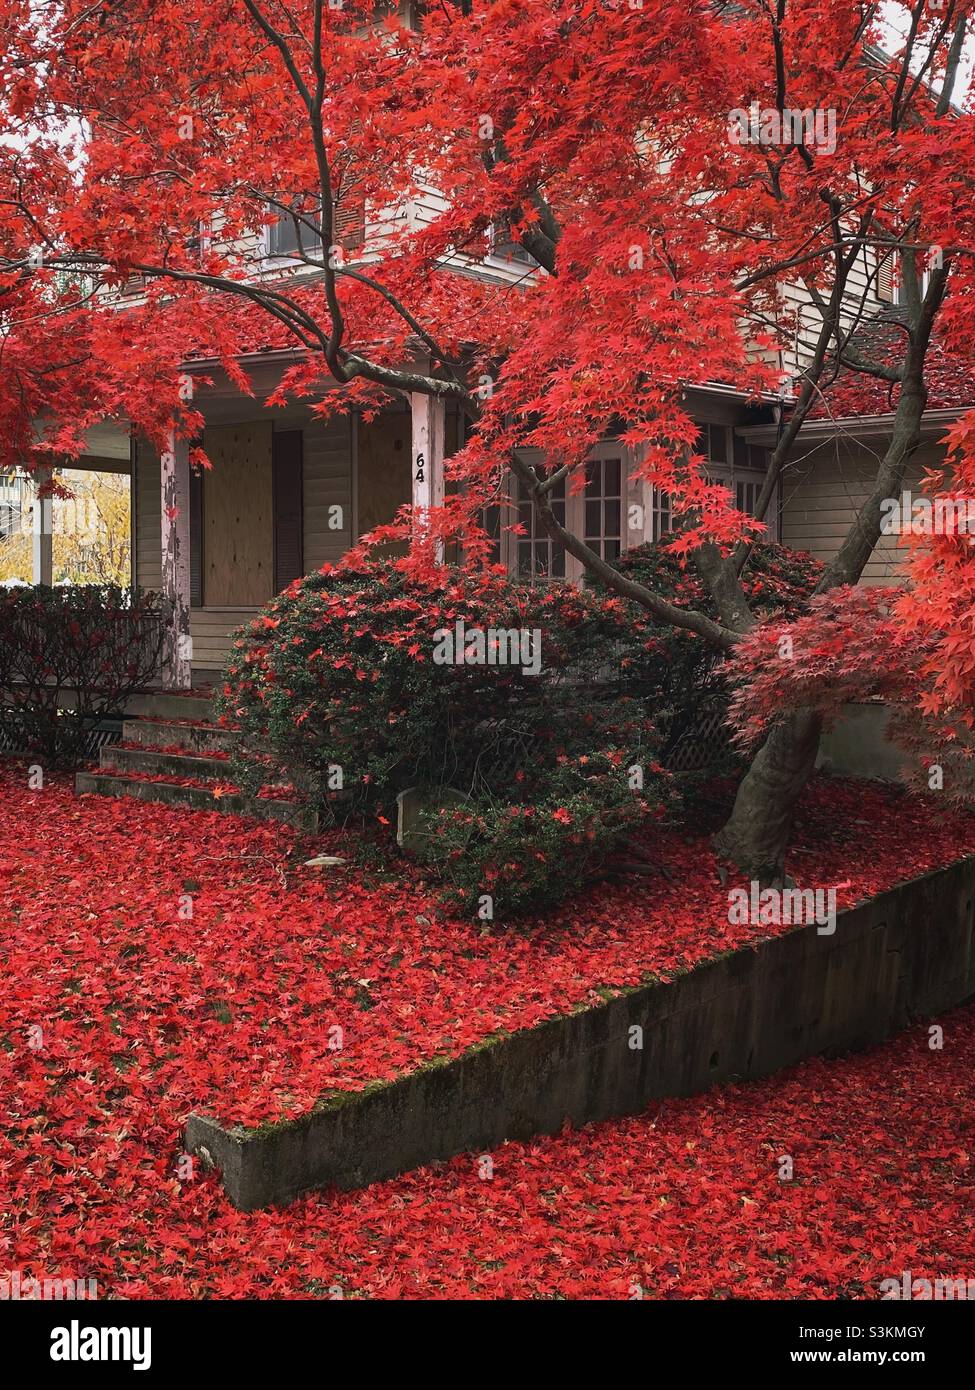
<point x="118" y="1015"/>
<point x="194" y="950"/>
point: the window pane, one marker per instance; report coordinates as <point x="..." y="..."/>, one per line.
<point x="719" y="443"/>
<point x="612" y="474"/>
<point x="661" y="513"/>
<point x="593" y="518"/>
<point x="612" y="524"/>
<point x="283" y="237"/>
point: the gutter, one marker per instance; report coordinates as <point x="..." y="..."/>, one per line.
<point x="933" y="422"/>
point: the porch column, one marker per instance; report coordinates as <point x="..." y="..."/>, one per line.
<point x="429" y="417"/>
<point x="42" y="549"/>
<point x="174" y="471"/>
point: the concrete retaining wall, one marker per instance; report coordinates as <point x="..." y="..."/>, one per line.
<point x="907" y="953"/>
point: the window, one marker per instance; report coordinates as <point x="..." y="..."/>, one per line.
<point x="742" y="470"/>
<point x="714" y="443"/>
<point x="10" y="505"/>
<point x="283" y="234"/>
<point x="536" y="555"/>
<point x="505" y="248"/>
<point x="662" y="521"/>
<point x="746" y="495"/>
<point x="923" y="280"/>
<point x="890" y="278"/>
<point x="603" y="507"/>
<point x="597" y="513"/>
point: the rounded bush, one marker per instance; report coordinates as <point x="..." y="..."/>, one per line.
<point x="353" y="683"/>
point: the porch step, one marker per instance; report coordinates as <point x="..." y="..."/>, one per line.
<point x="154" y="760"/>
<point x="162" y="733"/>
<point x="196" y="798"/>
<point x="164" y="704"/>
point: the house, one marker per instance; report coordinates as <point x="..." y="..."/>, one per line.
<point x="290" y="491"/>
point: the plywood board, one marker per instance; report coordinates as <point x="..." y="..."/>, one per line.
<point x="384" y="478"/>
<point x="238" y="516"/>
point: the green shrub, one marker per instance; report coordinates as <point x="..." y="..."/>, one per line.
<point x="337" y="686"/>
<point x="499" y="860"/>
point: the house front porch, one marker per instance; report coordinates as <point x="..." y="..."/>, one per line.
<point x="288" y="491"/>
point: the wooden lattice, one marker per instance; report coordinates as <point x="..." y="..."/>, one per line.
<point x="703" y="744"/>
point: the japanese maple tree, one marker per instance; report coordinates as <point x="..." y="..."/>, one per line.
<point x="598" y="134"/>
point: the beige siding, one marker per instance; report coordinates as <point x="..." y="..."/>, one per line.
<point x="822" y="494"/>
<point x="328" y="484"/>
<point x="211" y="630"/>
<point x="148" y="517"/>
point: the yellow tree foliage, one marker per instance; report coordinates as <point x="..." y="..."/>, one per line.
<point x="91" y="527"/>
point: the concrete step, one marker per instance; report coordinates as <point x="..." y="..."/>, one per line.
<point x="197" y="798"/>
<point x="152" y="760"/>
<point x="163" y="704"/>
<point x="161" y="733"/>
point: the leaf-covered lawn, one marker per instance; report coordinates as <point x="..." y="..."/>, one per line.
<point x="192" y="953"/>
<point x="118" y="1016"/>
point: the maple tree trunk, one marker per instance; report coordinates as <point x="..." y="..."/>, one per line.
<point x="757" y="833"/>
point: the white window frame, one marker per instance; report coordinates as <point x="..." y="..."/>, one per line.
<point x="575" y="512"/>
<point x="655" y="511"/>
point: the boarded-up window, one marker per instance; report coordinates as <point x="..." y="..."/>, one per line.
<point x="286" y="458"/>
<point x="238" y="516"/>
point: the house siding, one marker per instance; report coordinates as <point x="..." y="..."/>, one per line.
<point x="823" y="494"/>
<point x="148" y="517"/>
<point x="211" y="630"/>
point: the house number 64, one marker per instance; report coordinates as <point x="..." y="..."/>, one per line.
<point x="419" y="468"/>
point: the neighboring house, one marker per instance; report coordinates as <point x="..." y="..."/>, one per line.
<point x="13" y="504"/>
<point x="838" y="450"/>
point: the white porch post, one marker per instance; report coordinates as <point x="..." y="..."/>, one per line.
<point x="429" y="428"/>
<point x="42" y="548"/>
<point x="638" y="522"/>
<point x="174" y="473"/>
